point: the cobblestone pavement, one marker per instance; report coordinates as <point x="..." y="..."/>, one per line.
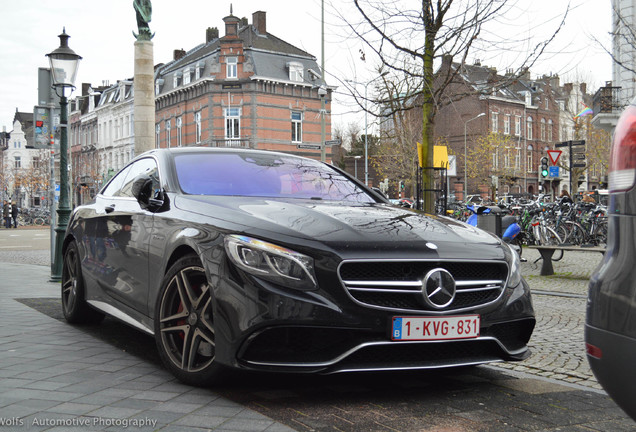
<point x="557" y="343"/>
<point x="558" y="347"/>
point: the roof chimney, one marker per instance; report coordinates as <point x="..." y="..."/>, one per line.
<point x="178" y="54"/>
<point x="211" y="34"/>
<point x="260" y="22"/>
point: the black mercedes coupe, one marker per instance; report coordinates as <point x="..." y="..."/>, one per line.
<point x="267" y="261"/>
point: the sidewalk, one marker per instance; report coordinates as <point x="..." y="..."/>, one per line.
<point x="63" y="378"/>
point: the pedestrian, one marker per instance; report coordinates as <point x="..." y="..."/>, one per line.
<point x="14" y="214"/>
<point x="6" y="214"/>
<point x="565" y="197"/>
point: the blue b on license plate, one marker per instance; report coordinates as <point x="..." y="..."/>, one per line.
<point x="435" y="328"/>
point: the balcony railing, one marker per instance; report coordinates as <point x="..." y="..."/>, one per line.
<point x="607" y="100"/>
<point x="227" y="142"/>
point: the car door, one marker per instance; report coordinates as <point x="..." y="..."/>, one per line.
<point x="121" y="231"/>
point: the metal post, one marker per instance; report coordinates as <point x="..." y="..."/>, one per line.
<point x="63" y="210"/>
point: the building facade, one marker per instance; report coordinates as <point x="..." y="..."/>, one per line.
<point x="247" y="89"/>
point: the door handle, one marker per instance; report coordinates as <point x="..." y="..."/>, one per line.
<point x="110" y="208"/>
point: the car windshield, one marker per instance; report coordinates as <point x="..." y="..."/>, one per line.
<point x="263" y="175"/>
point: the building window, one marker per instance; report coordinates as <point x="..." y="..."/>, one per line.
<point x="197" y="121"/>
<point x="529" y="128"/>
<point x="168" y="133"/>
<point x="17" y="163"/>
<point x="179" y="130"/>
<point x="507" y="124"/>
<point x="232" y="123"/>
<point x="296" y="126"/>
<point x="231" y="67"/>
<point x="495" y="159"/>
<point x="518" y="159"/>
<point x="157" y="135"/>
<point x="542" y="129"/>
<point x="186" y="75"/>
<point x="530" y="163"/>
<point x="517" y="125"/>
<point x="494" y="119"/>
<point x="550" y="130"/>
<point x="295" y="71"/>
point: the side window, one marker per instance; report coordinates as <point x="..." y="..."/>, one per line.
<point x="114" y="186"/>
<point x="143" y="167"/>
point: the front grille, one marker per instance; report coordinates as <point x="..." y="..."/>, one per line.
<point x="397" y="285"/>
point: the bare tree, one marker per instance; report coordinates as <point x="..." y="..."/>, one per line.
<point x="411" y="37"/>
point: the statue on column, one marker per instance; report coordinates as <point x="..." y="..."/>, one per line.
<point x="143" y="9"/>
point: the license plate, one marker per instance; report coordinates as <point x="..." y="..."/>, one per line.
<point x="435" y="328"/>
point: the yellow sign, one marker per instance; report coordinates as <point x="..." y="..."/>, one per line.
<point x="440" y="157"/>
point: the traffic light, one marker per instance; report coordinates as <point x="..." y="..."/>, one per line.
<point x="544" y="167"/>
<point x="401" y="185"/>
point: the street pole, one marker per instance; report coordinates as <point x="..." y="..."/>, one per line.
<point x="64" y="209"/>
<point x="64" y="63"/>
<point x="323" y="108"/>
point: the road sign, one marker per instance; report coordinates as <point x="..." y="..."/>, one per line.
<point x="554" y="171"/>
<point x="578" y="156"/>
<point x="333" y="142"/>
<point x="579" y="165"/>
<point x="554" y="156"/>
<point x="570" y="143"/>
<point x="309" y="146"/>
<point x="577" y="143"/>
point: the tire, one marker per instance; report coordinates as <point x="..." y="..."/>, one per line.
<point x="74" y="306"/>
<point x="38" y="221"/>
<point x="184" y="324"/>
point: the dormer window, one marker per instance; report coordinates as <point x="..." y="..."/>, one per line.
<point x="158" y="86"/>
<point x="187" y="74"/>
<point x="175" y="79"/>
<point x="198" y="69"/>
<point x="232" y="67"/>
<point x="295" y="71"/>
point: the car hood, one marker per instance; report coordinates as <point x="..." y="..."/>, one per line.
<point x="345" y="226"/>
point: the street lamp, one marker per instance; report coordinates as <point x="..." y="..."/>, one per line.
<point x="356" y="160"/>
<point x="465" y="165"/>
<point x="366" y="125"/>
<point x="64" y="63"/>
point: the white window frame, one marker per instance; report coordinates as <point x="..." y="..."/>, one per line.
<point x="542" y="129"/>
<point x="231" y="67"/>
<point x="296" y="71"/>
<point x="197" y="122"/>
<point x="17" y="162"/>
<point x="494" y="122"/>
<point x="529" y="128"/>
<point x="232" y="123"/>
<point x="550" y="124"/>
<point x="507" y="124"/>
<point x="168" y="133"/>
<point x="179" y="132"/>
<point x="187" y="75"/>
<point x="517" y="125"/>
<point x="296" y="127"/>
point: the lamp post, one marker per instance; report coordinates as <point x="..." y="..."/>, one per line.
<point x="465" y="165"/>
<point x="64" y="63"/>
<point x="356" y="160"/>
<point x="366" y="125"/>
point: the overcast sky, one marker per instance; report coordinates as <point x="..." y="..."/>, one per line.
<point x="101" y="32"/>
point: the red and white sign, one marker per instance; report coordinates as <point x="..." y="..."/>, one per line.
<point x="554" y="156"/>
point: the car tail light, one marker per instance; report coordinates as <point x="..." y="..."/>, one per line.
<point x="593" y="351"/>
<point x="622" y="175"/>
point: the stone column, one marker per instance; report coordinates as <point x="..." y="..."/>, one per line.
<point x="144" y="105"/>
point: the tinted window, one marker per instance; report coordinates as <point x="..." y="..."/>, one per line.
<point x="141" y="168"/>
<point x="263" y="175"/>
<point x="114" y="186"/>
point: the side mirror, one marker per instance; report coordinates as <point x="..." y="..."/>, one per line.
<point x="147" y="197"/>
<point x="379" y="192"/>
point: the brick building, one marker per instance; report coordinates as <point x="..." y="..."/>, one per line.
<point x="247" y="88"/>
<point x="523" y="112"/>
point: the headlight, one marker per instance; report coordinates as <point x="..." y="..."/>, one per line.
<point x="271" y="262"/>
<point x="514" y="275"/>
